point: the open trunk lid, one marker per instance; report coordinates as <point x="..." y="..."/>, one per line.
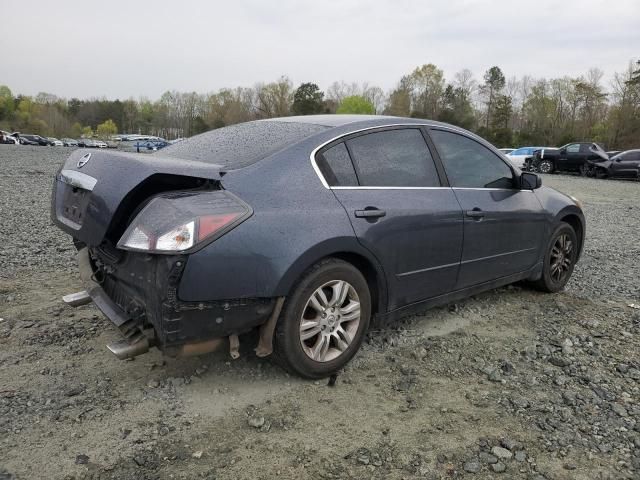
<point x="96" y="192"/>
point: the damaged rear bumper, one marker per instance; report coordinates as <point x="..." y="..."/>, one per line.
<point x="138" y="294"/>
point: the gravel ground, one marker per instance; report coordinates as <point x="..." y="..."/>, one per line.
<point x="509" y="383"/>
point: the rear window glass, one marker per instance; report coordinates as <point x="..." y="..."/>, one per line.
<point x="243" y="144"/>
<point x="337" y="168"/>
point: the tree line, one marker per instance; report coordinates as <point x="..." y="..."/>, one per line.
<point x="505" y="110"/>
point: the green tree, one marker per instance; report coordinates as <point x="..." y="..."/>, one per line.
<point x="494" y="82"/>
<point x="456" y="107"/>
<point x="635" y="75"/>
<point x="427" y="84"/>
<point x="87" y="132"/>
<point x="76" y="130"/>
<point x="106" y="129"/>
<point x="356" y="104"/>
<point x="6" y="103"/>
<point x="307" y="99"/>
<point x="274" y="99"/>
<point x="502" y="112"/>
<point x="399" y="103"/>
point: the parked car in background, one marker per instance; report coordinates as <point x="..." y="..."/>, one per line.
<point x="151" y="144"/>
<point x="69" y="142"/>
<point x="37" y="139"/>
<point x="86" y="143"/>
<point x="520" y="155"/>
<point x="7" y="139"/>
<point x="623" y="165"/>
<point x="23" y="140"/>
<point x="55" y="142"/>
<point x="612" y="153"/>
<point x="506" y="151"/>
<point x="305" y="228"/>
<point x="572" y="157"/>
<point x="26" y="141"/>
<point x="100" y="144"/>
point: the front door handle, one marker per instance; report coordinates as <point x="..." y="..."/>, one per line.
<point x="370" y="213"/>
<point x="476" y="213"/>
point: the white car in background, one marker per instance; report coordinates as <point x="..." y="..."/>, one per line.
<point x="520" y="155"/>
<point x="7" y="138"/>
<point x="55" y="142"/>
<point x="506" y="151"/>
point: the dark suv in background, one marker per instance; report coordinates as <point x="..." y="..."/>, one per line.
<point x="573" y="157"/>
<point x="37" y="139"/>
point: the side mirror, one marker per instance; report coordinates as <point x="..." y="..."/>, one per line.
<point x="530" y="181"/>
<point x="563" y="151"/>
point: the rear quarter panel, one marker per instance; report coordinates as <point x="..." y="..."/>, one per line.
<point x="296" y="222"/>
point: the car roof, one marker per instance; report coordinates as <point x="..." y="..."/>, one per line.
<point x="339" y="120"/>
<point x="240" y="145"/>
<point x="329" y="120"/>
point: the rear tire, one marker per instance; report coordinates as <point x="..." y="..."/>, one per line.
<point x="586" y="171"/>
<point x="323" y="320"/>
<point x="559" y="259"/>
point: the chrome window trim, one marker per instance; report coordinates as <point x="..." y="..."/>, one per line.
<point x="493" y="189"/>
<point x="312" y="157"/>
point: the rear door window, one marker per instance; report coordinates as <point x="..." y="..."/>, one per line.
<point x="393" y="158"/>
<point x="337" y="168"/>
<point x="631" y="157"/>
<point x="469" y="164"/>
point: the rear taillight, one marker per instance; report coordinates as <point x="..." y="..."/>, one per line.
<point x="181" y="221"/>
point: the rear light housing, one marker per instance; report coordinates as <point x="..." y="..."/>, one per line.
<point x="181" y="222"/>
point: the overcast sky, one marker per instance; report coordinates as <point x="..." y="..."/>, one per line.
<point x="138" y="48"/>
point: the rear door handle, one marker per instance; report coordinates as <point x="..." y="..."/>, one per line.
<point x="475" y="213"/>
<point x="370" y="213"/>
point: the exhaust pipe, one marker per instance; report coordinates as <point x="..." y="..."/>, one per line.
<point x="77" y="299"/>
<point x="123" y="349"/>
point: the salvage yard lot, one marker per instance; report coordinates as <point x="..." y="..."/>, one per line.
<point x="511" y="382"/>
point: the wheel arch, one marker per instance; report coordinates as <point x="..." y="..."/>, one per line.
<point x="577" y="223"/>
<point x="352" y="253"/>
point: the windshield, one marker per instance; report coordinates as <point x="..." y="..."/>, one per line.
<point x="243" y="144"/>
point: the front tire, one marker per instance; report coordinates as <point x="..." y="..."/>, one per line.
<point x="559" y="259"/>
<point x="323" y="320"/>
<point x="545" y="166"/>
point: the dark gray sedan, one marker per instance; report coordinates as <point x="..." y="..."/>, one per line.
<point x="306" y="229"/>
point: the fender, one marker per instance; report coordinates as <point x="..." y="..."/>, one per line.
<point x="347" y="248"/>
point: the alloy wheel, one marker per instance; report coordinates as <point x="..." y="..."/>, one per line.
<point x="560" y="258"/>
<point x="330" y="321"/>
<point x="544" y="166"/>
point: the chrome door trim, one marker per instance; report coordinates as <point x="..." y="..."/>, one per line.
<point x="312" y="157"/>
<point x="493" y="189"/>
<point x="389" y="188"/>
